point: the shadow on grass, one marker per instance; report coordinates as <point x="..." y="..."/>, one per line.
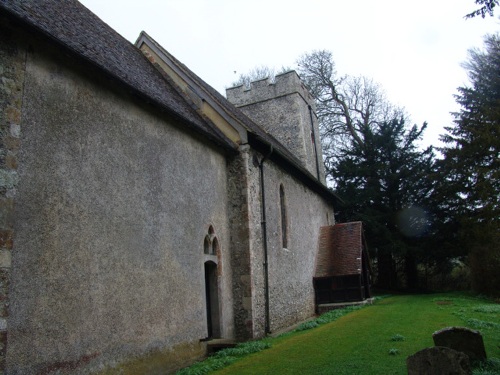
<point x="410" y="319"/>
<point x="226" y="357"/>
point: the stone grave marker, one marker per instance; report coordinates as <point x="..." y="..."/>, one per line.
<point x="438" y="360"/>
<point x="462" y="339"/>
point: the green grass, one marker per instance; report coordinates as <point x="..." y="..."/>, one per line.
<point x="371" y="340"/>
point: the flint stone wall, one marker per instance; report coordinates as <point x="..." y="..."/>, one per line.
<point x="285" y="109"/>
<point x="291" y="269"/>
<point x="12" y="72"/>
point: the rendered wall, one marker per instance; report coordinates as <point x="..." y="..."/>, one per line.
<point x="112" y="207"/>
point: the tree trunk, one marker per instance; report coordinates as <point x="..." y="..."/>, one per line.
<point x="411" y="272"/>
<point x="385" y="270"/>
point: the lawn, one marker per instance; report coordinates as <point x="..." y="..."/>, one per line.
<point x="371" y="340"/>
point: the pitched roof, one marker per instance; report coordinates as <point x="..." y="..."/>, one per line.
<point x="340" y="250"/>
<point x="74" y="27"/>
<point x="243" y="119"/>
<point x="257" y="136"/>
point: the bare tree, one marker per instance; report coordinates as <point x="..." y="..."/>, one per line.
<point x="258" y="73"/>
<point x="346" y="106"/>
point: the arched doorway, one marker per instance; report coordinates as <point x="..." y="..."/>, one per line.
<point x="212" y="300"/>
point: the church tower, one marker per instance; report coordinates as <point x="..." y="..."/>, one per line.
<point x="286" y="110"/>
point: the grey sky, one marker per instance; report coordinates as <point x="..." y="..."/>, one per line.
<point x="412" y="48"/>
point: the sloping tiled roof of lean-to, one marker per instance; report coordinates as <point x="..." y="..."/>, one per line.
<point x="340" y="250"/>
<point x="74" y="27"/>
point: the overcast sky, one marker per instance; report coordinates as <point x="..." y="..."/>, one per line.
<point x="412" y="48"/>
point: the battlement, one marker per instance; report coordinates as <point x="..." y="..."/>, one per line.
<point x="285" y="109"/>
<point x="265" y="89"/>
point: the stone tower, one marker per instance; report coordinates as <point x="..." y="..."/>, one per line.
<point x="286" y="110"/>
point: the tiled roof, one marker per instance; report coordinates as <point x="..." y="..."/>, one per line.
<point x="73" y="26"/>
<point x="340" y="250"/>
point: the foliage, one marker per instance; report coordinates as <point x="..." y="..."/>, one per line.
<point x="373" y="161"/>
<point x="243" y="349"/>
<point x="384" y="183"/>
<point x="393" y="351"/>
<point x="487" y="8"/>
<point x="307" y="325"/>
<point x="468" y="182"/>
<point x="327" y="317"/>
<point x="488" y="309"/>
<point x="489" y="367"/>
<point x="225" y="357"/>
<point x="398" y="337"/>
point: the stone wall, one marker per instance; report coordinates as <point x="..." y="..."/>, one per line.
<point x="239" y="191"/>
<point x="291" y="269"/>
<point x="12" y="64"/>
<point x="285" y="109"/>
<point x="113" y="204"/>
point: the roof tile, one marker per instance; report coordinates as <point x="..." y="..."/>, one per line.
<point x="340" y="250"/>
<point x="76" y="28"/>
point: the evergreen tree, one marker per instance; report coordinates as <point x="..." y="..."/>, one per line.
<point x="487" y="8"/>
<point x="346" y="105"/>
<point x="383" y="181"/>
<point x="372" y="160"/>
<point x="470" y="171"/>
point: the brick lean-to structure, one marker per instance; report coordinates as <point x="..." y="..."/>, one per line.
<point x="143" y="215"/>
<point x="342" y="265"/>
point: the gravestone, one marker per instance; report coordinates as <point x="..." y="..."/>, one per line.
<point x="462" y="339"/>
<point x="438" y="360"/>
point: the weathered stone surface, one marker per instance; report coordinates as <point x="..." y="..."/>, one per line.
<point x="463" y="340"/>
<point x="438" y="360"/>
<point x="12" y="72"/>
<point x="285" y="109"/>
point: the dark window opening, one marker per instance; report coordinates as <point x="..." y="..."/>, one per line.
<point x="284" y="224"/>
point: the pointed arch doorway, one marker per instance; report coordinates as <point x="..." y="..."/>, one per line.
<point x="212" y="300"/>
<point x="211" y="251"/>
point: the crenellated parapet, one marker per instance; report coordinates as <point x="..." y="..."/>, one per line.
<point x="265" y="89"/>
<point x="284" y="108"/>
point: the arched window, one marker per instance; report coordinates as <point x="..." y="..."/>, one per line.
<point x="212" y="271"/>
<point x="211" y="243"/>
<point x="284" y="221"/>
<point x="206" y="245"/>
<point x="215" y="246"/>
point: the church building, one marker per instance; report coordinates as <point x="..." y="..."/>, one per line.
<point x="143" y="214"/>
